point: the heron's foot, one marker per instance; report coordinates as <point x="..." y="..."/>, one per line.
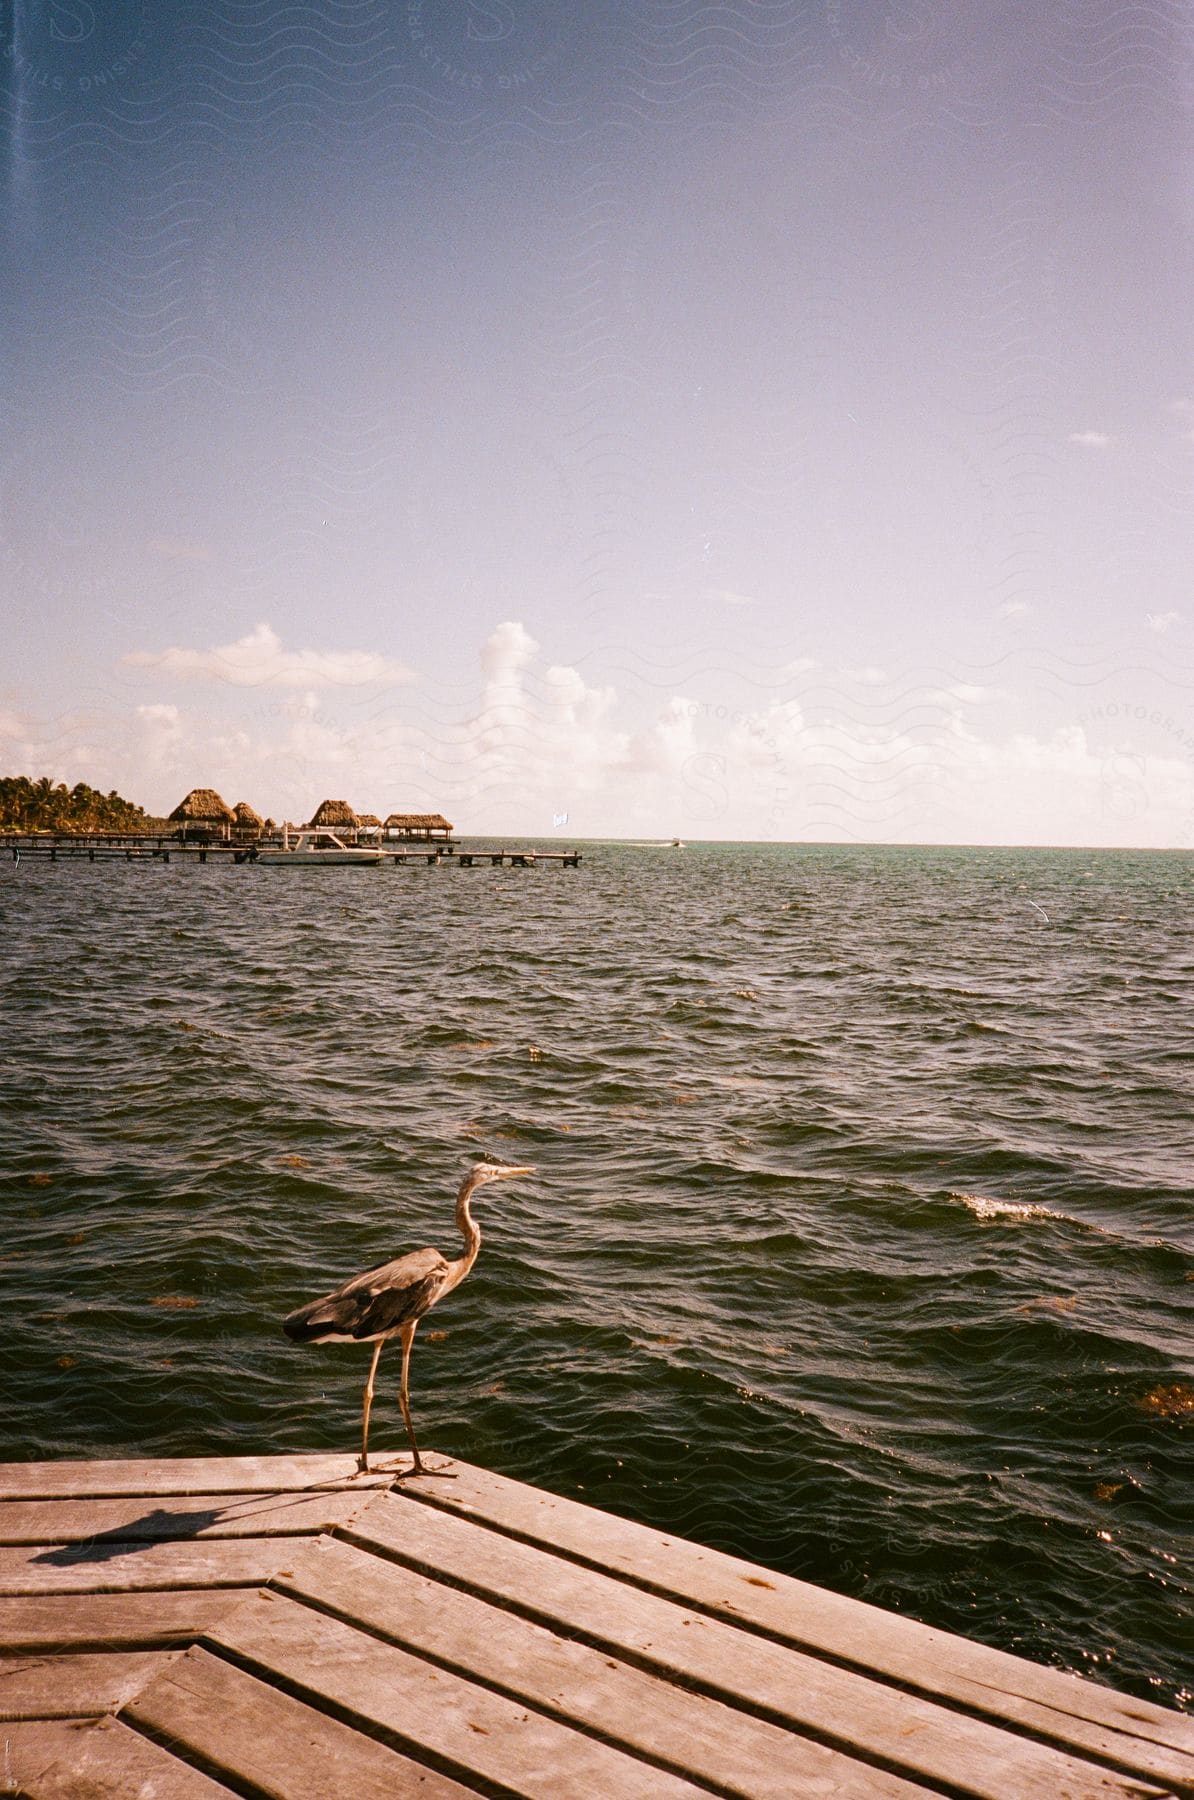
<point x="420" y="1468"/>
<point x="398" y="1468"/>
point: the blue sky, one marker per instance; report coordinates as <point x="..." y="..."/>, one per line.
<point x="770" y="420"/>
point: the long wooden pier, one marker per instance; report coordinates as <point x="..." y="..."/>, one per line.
<point x="117" y="848"/>
<point x="273" y="1626"/>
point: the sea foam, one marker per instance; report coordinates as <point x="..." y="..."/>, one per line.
<point x="985" y="1208"/>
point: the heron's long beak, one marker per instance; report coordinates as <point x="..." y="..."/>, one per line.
<point x="524" y="1169"/>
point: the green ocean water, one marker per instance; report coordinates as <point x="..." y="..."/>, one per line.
<point x="860" y="1241"/>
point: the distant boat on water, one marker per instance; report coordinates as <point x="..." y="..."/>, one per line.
<point x="318" y="849"/>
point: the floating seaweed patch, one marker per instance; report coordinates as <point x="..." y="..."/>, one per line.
<point x="1169" y="1402"/>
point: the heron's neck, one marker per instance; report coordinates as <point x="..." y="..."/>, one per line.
<point x="469" y="1230"/>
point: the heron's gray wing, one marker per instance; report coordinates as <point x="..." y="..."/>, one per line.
<point x="378" y="1301"/>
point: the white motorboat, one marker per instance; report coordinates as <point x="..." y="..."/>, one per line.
<point x="318" y="849"/>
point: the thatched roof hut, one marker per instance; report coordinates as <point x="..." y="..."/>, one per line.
<point x="371" y="820"/>
<point x="202" y="806"/>
<point x="270" y="826"/>
<point x="247" y="817"/>
<point x="202" y="816"/>
<point x="331" y="813"/>
<point x="418" y="825"/>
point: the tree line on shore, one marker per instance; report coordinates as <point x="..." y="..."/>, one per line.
<point x="43" y="805"/>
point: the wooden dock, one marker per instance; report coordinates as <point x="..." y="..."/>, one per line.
<point x="271" y="1626"/>
<point x="114" y="847"/>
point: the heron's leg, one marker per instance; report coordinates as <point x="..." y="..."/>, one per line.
<point x="363" y="1462"/>
<point x="420" y="1467"/>
<point x="408" y="1340"/>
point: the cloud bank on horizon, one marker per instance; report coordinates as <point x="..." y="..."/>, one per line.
<point x="802" y="752"/>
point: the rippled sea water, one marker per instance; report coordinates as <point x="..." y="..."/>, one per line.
<point x="860" y="1242"/>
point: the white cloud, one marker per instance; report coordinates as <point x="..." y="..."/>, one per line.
<point x="537" y="739"/>
<point x="1093" y="440"/>
<point x="1162" y="622"/>
<point x="1014" y="609"/>
<point x="507" y="652"/>
<point x="258" y="660"/>
<point x="942" y="781"/>
<point x="664" y="746"/>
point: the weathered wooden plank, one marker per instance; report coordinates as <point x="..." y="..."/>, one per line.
<point x="902" y="1650"/>
<point x="276" y="1745"/>
<point x="917" y="1737"/>
<point x="100" y="1759"/>
<point x="185" y="1475"/>
<point x="192" y="1516"/>
<point x="478" y="1733"/>
<point x="123" y="1568"/>
<point x="634" y="1710"/>
<point x="112" y="1621"/>
<point x="75" y="1687"/>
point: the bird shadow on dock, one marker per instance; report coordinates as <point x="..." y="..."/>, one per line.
<point x="164" y="1525"/>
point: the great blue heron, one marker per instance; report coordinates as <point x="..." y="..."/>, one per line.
<point x="390" y="1300"/>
